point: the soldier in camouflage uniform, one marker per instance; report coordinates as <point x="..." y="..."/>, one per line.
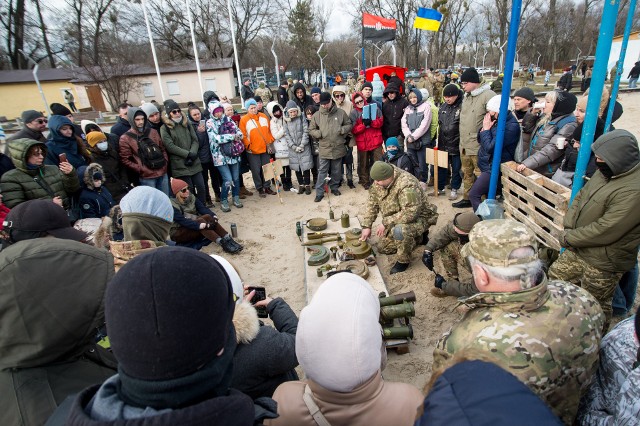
<point x="358" y="85"/>
<point x="406" y="213"/>
<point x="351" y="84"/>
<point x="546" y="333"/>
<point x="438" y="84"/>
<point x="264" y="93"/>
<point x="450" y="240"/>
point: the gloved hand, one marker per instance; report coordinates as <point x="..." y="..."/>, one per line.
<point x="427" y="260"/>
<point x="366" y="122"/>
<point x="439" y="281"/>
<point x="191" y="158"/>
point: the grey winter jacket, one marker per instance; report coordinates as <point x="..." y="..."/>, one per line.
<point x="330" y="128"/>
<point x="296" y="134"/>
<point x="544" y="156"/>
<point x="472" y="112"/>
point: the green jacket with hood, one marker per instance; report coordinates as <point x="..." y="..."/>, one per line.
<point x="330" y="127"/>
<point x="180" y="140"/>
<point x="20" y="185"/>
<point x="603" y="225"/>
<point x="51" y="303"/>
<point x="472" y="112"/>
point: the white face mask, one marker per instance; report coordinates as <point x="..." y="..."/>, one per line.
<point x="177" y="120"/>
<point x="102" y="146"/>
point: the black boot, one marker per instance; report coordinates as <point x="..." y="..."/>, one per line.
<point x="229" y="245"/>
<point x="462" y="204"/>
<point x="399" y="267"/>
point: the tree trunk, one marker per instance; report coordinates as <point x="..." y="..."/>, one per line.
<point x="45" y="38"/>
<point x="18" y="61"/>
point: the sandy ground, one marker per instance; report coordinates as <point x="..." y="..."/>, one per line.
<point x="273" y="257"/>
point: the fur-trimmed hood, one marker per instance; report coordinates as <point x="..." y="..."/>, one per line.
<point x="171" y="124"/>
<point x="88" y="172"/>
<point x="481" y="89"/>
<point x="246" y="322"/>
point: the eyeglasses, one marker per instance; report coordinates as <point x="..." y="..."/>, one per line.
<point x="42" y="121"/>
<point x="185" y="190"/>
<point x="340" y="95"/>
<point x="175" y="111"/>
<point x="360" y="101"/>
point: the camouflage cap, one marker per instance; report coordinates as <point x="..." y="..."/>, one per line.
<point x="492" y="241"/>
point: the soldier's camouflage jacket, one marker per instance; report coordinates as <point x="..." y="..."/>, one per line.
<point x="403" y="202"/>
<point x="614" y="394"/>
<point x="442" y="238"/>
<point x="547" y="336"/>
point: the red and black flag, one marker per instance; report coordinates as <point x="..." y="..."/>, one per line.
<point x="377" y="28"/>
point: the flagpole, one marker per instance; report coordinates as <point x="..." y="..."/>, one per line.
<point x="235" y="53"/>
<point x="153" y="48"/>
<point x="195" y="49"/>
<point x="364" y="62"/>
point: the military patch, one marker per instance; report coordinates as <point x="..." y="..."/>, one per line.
<point x="86" y="206"/>
<point x="411" y="195"/>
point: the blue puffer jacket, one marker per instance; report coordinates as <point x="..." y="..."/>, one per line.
<point x="474" y="393"/>
<point x="487" y="141"/>
<point x="58" y="144"/>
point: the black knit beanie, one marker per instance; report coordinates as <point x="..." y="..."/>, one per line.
<point x="168" y="313"/>
<point x="59" y="109"/>
<point x="451" y="90"/>
<point x="565" y="104"/>
<point x="367" y="84"/>
<point x="170" y="105"/>
<point x="470" y="75"/>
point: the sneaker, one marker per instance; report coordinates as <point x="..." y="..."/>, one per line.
<point x="237" y="203"/>
<point x="434" y="194"/>
<point x="336" y="192"/>
<point x="462" y="204"/>
<point x="318" y="198"/>
<point x="269" y="191"/>
<point x="398" y="267"/>
<point x="224" y="206"/>
<point x="307" y="190"/>
<point x="453" y="194"/>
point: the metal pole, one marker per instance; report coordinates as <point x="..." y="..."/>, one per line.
<point x="578" y="57"/>
<point x="35" y="77"/>
<point x="483" y="57"/>
<point x="273" y="51"/>
<point x="502" y="56"/>
<point x="504" y="100"/>
<point x="607" y="28"/>
<point x="380" y="54"/>
<point x="393" y="47"/>
<point x="235" y="53"/>
<point x="153" y="48"/>
<point x="322" y="77"/>
<point x="195" y="50"/>
<point x="623" y="53"/>
<point x="357" y="59"/>
<point x="364" y="60"/>
<point x="538" y="61"/>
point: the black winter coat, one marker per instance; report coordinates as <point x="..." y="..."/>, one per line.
<point x="449" y="127"/>
<point x="283" y="96"/>
<point x="204" y="150"/>
<point x="116" y="174"/>
<point x="246" y="92"/>
<point x="265" y="356"/>
<point x="307" y="100"/>
<point x="5" y="164"/>
<point x="392" y="111"/>
<point x="121" y="127"/>
<point x="566" y="81"/>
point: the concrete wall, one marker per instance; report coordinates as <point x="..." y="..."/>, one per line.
<point x="631" y="57"/>
<point x="18" y="97"/>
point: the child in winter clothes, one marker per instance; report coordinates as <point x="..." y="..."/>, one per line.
<point x="95" y="199"/>
<point x="280" y="143"/>
<point x="222" y="130"/>
<point x="297" y="137"/>
<point x="378" y="88"/>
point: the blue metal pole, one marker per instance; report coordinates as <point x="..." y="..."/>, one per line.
<point x="504" y="101"/>
<point x="623" y="53"/>
<point x="607" y="27"/>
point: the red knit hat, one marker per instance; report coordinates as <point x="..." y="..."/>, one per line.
<point x="177" y="185"/>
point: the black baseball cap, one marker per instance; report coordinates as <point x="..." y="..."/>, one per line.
<point x="41" y="216"/>
<point x="325" y="98"/>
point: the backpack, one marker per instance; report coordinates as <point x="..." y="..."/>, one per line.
<point x="149" y="152"/>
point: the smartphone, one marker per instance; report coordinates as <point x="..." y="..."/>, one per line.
<point x="260" y="294"/>
<point x="202" y="122"/>
<point x="63" y="158"/>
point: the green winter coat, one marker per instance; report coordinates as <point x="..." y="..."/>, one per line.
<point x="51" y="302"/>
<point x="19" y="185"/>
<point x="330" y="128"/>
<point x="603" y="224"/>
<point x="472" y="112"/>
<point x="179" y="140"/>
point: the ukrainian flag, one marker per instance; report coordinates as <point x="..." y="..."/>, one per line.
<point x="428" y="19"/>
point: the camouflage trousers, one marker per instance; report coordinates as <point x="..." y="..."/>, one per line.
<point x="402" y="239"/>
<point x="450" y="256"/>
<point x="601" y="284"/>
<point x="469" y="168"/>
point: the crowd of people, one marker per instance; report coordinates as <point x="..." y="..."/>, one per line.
<point x="127" y="211"/>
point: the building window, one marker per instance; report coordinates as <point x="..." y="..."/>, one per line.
<point x="147" y="89"/>
<point x="173" y="87"/>
<point x="210" y="84"/>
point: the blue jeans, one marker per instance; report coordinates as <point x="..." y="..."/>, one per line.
<point x="230" y="174"/>
<point x="480" y="187"/>
<point x="161" y="183"/>
<point x="420" y="156"/>
<point x="456" y="179"/>
<point x="632" y="82"/>
<point x="625" y="294"/>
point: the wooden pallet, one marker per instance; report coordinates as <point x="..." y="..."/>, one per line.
<point x="536" y="201"/>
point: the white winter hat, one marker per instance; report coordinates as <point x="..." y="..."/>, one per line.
<point x="425" y="94"/>
<point x="339" y="339"/>
<point x="236" y="281"/>
<point x="494" y="104"/>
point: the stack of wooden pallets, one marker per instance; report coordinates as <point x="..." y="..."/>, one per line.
<point x="536" y="201"/>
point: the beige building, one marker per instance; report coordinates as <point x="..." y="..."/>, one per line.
<point x="19" y="91"/>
